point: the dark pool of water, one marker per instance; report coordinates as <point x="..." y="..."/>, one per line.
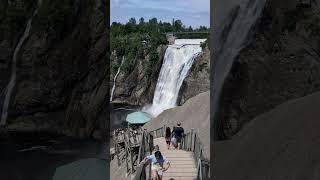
<point x="35" y="156"/>
<point x="119" y="113"/>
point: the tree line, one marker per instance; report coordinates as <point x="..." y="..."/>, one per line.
<point x="135" y="40"/>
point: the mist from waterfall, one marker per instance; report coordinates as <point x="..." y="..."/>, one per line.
<point x="178" y="60"/>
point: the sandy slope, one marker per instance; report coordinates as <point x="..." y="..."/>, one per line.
<point x="282" y="144"/>
<point x="195" y="113"/>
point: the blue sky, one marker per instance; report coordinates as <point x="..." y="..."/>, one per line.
<point x="190" y="12"/>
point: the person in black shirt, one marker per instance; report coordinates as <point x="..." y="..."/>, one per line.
<point x="168" y="137"/>
<point x="178" y="132"/>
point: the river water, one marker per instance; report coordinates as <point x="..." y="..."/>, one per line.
<point x="35" y="156"/>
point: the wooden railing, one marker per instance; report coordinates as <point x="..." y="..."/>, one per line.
<point x="158" y="132"/>
<point x="146" y="148"/>
<point x="126" y="145"/>
<point x="190" y="142"/>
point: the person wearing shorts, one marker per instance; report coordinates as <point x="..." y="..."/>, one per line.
<point x="157" y="165"/>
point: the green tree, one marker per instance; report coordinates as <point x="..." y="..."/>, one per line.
<point x="141" y="21"/>
<point x="132" y="21"/>
<point x="178" y="26"/>
<point x="153" y="21"/>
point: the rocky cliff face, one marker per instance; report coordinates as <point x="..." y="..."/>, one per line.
<point x="61" y="68"/>
<point x="282" y="63"/>
<point x="136" y="87"/>
<point x="198" y="79"/>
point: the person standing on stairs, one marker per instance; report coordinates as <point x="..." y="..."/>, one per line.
<point x="157" y="164"/>
<point x="168" y="137"/>
<point x="179" y="133"/>
<point x="173" y="138"/>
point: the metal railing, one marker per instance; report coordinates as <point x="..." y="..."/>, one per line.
<point x="190" y="142"/>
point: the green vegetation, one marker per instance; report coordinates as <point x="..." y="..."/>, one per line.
<point x="205" y="44"/>
<point x="136" y="40"/>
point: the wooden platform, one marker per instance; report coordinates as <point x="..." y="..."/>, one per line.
<point x="182" y="162"/>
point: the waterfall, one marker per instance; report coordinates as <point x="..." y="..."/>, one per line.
<point x="12" y="81"/>
<point x="178" y="59"/>
<point x="115" y="78"/>
<point x="229" y="39"/>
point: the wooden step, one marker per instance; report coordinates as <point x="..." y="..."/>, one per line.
<point x="182" y="162"/>
<point x="182" y="165"/>
<point x="179" y="178"/>
<point x="178" y="163"/>
<point x="180" y="174"/>
<point x="181" y="170"/>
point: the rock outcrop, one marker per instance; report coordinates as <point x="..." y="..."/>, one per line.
<point x="198" y="78"/>
<point x="62" y="78"/>
<point x="281" y="63"/>
<point x="136" y="87"/>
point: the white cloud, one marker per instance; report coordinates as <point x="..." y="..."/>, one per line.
<point x="192" y="11"/>
<point x="191" y="6"/>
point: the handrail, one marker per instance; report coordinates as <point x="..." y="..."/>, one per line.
<point x="195" y="32"/>
<point x="191" y="142"/>
<point x="146" y="147"/>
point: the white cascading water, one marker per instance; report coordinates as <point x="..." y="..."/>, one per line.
<point x="12" y="81"/>
<point x="178" y="59"/>
<point x="115" y="79"/>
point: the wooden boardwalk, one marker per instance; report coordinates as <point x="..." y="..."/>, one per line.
<point x="182" y="162"/>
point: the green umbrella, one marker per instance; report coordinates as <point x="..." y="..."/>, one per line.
<point x="84" y="169"/>
<point x="138" y="117"/>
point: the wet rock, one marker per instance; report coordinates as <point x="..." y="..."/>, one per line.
<point x="198" y="78"/>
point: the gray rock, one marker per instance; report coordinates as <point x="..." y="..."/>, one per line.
<point x="61" y="69"/>
<point x="282" y="63"/>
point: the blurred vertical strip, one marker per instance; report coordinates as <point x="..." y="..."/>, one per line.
<point x="210" y="44"/>
<point x="106" y="122"/>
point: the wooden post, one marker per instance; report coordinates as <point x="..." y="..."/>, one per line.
<point x="130" y="152"/>
<point x="140" y="155"/>
<point x="199" y="171"/>
<point x="192" y="140"/>
<point x="195" y="143"/>
<point x="126" y="150"/>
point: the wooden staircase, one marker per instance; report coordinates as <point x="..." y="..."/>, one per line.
<point x="182" y="162"/>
